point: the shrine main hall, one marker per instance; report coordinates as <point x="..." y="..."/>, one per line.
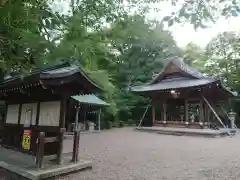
<point x="183" y="97"/>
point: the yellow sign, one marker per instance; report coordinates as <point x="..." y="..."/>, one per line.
<point x="26" y="140"/>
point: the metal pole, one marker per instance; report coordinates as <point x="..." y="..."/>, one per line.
<point x="99" y="119"/>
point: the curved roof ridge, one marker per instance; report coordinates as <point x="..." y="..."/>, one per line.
<point x="195" y="73"/>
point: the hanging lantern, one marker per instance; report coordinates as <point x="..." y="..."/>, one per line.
<point x="174" y="94"/>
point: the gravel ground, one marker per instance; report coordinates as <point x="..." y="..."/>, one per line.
<point x="125" y="154"/>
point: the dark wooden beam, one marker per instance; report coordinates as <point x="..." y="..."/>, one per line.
<point x="164" y="111"/>
<point x="38" y="113"/>
<point x="63" y="107"/>
<point x="19" y="113"/>
<point x="186" y="110"/>
<point x="5" y="114"/>
<point x="201" y="113"/>
<point x="153" y="113"/>
<point x="84" y="116"/>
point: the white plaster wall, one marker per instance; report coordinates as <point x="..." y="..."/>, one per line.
<point x="12" y="114"/>
<point x="29" y="114"/>
<point x="49" y="113"/>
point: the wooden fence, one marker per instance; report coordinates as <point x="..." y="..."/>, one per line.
<point x="42" y="141"/>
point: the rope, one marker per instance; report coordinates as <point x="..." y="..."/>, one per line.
<point x="144" y="114"/>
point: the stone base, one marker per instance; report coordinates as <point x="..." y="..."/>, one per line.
<point x="22" y="166"/>
<point x="189" y="132"/>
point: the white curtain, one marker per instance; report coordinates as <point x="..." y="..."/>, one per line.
<point x="29" y="114"/>
<point x="49" y="113"/>
<point x="12" y="114"/>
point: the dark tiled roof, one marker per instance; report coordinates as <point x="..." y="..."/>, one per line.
<point x="57" y="71"/>
<point x="183" y="66"/>
<point x="198" y="79"/>
<point x="179" y="83"/>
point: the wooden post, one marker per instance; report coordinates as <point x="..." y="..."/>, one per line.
<point x="63" y="112"/>
<point x="201" y="116"/>
<point x="99" y="119"/>
<point x="76" y="145"/>
<point x="62" y="127"/>
<point x="38" y="113"/>
<point x="40" y="149"/>
<point x="186" y="110"/>
<point x="84" y="116"/>
<point x="164" y="111"/>
<point x="60" y="150"/>
<point x="19" y="113"/>
<point x="5" y="114"/>
<point x="153" y="113"/>
<point x="76" y="117"/>
<point x="208" y="117"/>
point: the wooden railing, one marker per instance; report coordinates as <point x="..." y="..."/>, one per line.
<point x="42" y="140"/>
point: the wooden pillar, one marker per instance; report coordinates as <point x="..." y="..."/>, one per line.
<point x="164" y="111"/>
<point x="76" y="116"/>
<point x="60" y="150"/>
<point x="186" y="110"/>
<point x="201" y="116"/>
<point x="38" y="113"/>
<point x="76" y="145"/>
<point x="84" y="116"/>
<point x="63" y="108"/>
<point x="19" y="113"/>
<point x="40" y="149"/>
<point x="99" y="119"/>
<point x="62" y="122"/>
<point x="5" y="114"/>
<point x="153" y="113"/>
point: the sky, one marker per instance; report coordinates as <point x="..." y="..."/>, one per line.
<point x="183" y="34"/>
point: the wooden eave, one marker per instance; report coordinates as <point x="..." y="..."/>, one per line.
<point x="49" y="78"/>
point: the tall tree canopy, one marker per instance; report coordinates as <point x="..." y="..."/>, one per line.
<point x="114" y="43"/>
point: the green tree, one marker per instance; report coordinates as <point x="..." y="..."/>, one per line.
<point x="223" y="58"/>
<point x="143" y="46"/>
<point x="202" y="13"/>
<point x="191" y="53"/>
<point x="24" y="33"/>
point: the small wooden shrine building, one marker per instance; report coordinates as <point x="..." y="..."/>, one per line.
<point x="85" y="111"/>
<point x="185" y="97"/>
<point x="38" y="103"/>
